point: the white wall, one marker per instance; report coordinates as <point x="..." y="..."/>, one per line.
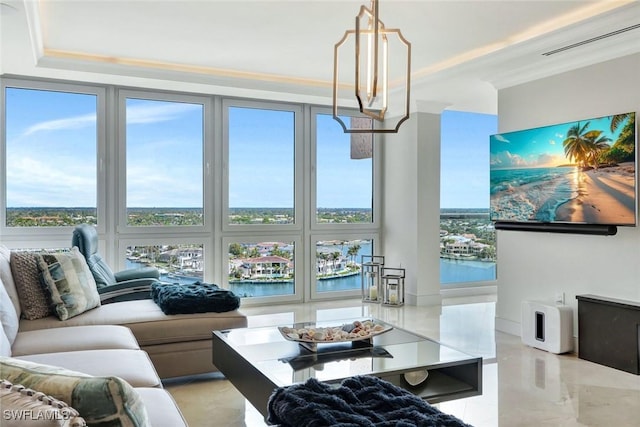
<point x="538" y="265"/>
<point x="411" y="206"/>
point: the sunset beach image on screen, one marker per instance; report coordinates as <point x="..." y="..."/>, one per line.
<point x="580" y="172"/>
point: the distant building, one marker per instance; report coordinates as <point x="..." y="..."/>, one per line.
<point x="463" y="246"/>
<point x="269" y="267"/>
<point x="189" y="259"/>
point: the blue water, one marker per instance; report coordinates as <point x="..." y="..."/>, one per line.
<point x="456" y="271"/>
<point x="531" y="194"/>
<point x="451" y="271"/>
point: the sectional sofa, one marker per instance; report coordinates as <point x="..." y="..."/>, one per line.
<point x="127" y="346"/>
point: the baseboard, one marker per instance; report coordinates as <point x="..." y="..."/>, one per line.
<point x="508" y="327"/>
<point x="423" y="300"/>
<point x="470" y="291"/>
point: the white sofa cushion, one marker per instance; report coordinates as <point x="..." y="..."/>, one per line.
<point x="74" y="338"/>
<point x="157" y="402"/>
<point x="148" y="323"/>
<point x="7" y="278"/>
<point x="133" y="366"/>
<point x="5" y="346"/>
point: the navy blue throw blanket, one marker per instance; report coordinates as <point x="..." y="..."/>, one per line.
<point x="358" y="401"/>
<point x="174" y="298"/>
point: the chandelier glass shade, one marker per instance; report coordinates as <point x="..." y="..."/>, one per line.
<point x="380" y="83"/>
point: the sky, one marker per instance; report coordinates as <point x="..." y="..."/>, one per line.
<point x="51" y="155"/>
<point x="541" y="147"/>
<point x="464" y="159"/>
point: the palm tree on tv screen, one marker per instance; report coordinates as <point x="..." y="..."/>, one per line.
<point x="598" y="145"/>
<point x="577" y="144"/>
<point x="587" y="147"/>
<point x="626" y="141"/>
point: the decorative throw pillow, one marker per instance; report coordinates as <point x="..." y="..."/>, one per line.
<point x="8" y="316"/>
<point x="99" y="400"/>
<point x="34" y="299"/>
<point x="70" y="282"/>
<point x="21" y="405"/>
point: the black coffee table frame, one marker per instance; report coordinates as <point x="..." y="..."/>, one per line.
<point x="258" y="360"/>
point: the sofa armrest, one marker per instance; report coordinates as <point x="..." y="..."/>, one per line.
<point x="137" y="273"/>
<point x="126" y="291"/>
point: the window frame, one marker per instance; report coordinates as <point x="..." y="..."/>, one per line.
<point x="207" y="250"/>
<point x="376" y="178"/>
<point x="299" y="286"/>
<point x="449" y="287"/>
<point x="312" y="279"/>
<point x="298" y="159"/>
<point x="208" y="183"/>
<point x="101" y="118"/>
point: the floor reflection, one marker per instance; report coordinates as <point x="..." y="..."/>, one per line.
<point x="522" y="386"/>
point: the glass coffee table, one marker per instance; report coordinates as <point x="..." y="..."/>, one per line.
<point x="258" y="360"/>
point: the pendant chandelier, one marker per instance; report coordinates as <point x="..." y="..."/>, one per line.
<point x="381" y="96"/>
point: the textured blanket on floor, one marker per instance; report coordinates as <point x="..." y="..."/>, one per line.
<point x="174" y="298"/>
<point x="358" y="401"/>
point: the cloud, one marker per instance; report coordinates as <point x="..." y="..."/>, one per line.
<point x="150" y="186"/>
<point x="161" y="112"/>
<point x="559" y="135"/>
<point x="501" y="138"/>
<point x="505" y="159"/>
<point x="552" y="142"/>
<point x="77" y="122"/>
<point x="36" y="182"/>
<point x="149" y="113"/>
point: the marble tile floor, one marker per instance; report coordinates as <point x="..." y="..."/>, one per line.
<point x="522" y="386"/>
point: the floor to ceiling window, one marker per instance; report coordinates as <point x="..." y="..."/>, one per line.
<point x="271" y="200"/>
<point x="262" y="195"/>
<point x="467" y="236"/>
<point x="344" y="224"/>
<point x="161" y="182"/>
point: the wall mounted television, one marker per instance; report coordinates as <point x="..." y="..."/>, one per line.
<point x="580" y="173"/>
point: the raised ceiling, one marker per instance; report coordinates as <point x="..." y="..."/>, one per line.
<point x="462" y="50"/>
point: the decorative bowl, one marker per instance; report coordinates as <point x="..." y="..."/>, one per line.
<point x="357" y="331"/>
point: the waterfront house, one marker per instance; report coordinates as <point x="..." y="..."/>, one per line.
<point x="266" y="267"/>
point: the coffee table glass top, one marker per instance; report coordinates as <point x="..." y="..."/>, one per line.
<point x="286" y="362"/>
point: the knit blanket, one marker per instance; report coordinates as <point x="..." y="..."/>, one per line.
<point x="174" y="298"/>
<point x="358" y="401"/>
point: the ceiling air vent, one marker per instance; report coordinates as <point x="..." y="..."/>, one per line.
<point x="591" y="40"/>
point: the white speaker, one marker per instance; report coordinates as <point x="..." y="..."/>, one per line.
<point x="547" y="326"/>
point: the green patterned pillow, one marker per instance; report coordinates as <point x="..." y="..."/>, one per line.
<point x="21" y="405"/>
<point x="101" y="401"/>
<point x="68" y="278"/>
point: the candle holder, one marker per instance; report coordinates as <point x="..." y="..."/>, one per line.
<point x="393" y="287"/>
<point x="371" y="277"/>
